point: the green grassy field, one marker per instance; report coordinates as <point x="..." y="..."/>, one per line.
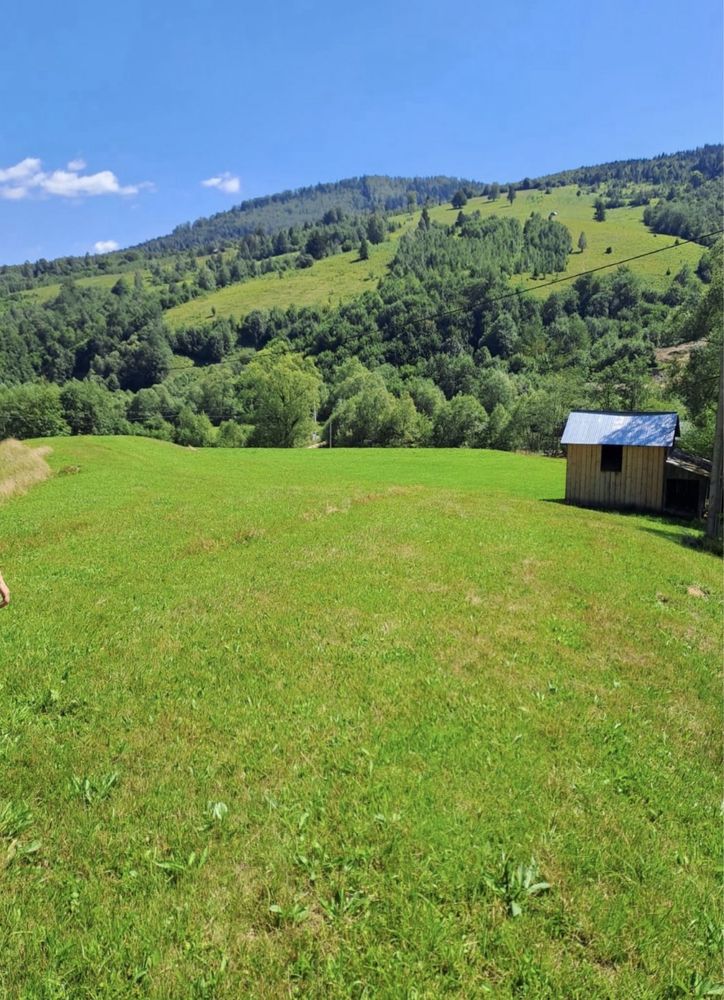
<point x="44" y="293"/>
<point x="342" y="277"/>
<point x="329" y="282"/>
<point x="623" y="230"/>
<point x="270" y="721"/>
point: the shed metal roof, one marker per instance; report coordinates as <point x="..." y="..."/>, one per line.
<point x="650" y="430"/>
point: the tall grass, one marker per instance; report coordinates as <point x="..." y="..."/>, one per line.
<point x="21" y="467"/>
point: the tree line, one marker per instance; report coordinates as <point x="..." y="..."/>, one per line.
<point x="440" y="353"/>
<point x="257" y="229"/>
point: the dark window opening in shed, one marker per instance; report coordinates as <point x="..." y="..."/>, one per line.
<point x="611" y="457"/>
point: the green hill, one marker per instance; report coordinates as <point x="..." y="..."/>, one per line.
<point x="304" y="205"/>
<point x="273" y="721"/>
<point x="344" y="276"/>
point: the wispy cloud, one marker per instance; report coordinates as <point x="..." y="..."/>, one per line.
<point x="227" y="182"/>
<point x="27" y="179"/>
<point x="104" y="246"/>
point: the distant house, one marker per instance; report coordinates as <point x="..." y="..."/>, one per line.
<point x="627" y="461"/>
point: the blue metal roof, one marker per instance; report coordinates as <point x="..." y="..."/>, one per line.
<point x="651" y="430"/>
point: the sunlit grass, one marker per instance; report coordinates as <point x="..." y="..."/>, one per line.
<point x="272" y="723"/>
<point x="329" y="282"/>
<point x="21" y="467"/>
<point x="623" y="230"/>
<point x="343" y="276"/>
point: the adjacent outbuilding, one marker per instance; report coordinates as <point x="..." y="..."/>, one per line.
<point x="625" y="461"/>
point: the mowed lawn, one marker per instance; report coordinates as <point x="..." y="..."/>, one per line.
<point x="271" y="721"/>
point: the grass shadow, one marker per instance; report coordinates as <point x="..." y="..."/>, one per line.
<point x="690" y="535"/>
<point x="687" y="539"/>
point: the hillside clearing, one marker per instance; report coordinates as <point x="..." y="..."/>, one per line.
<point x="45" y="293"/>
<point x="329" y="282"/>
<point x="343" y="276"/>
<point x="270" y="721"/>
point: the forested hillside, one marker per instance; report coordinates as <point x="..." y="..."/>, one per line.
<point x="426" y="335"/>
<point x="306" y="205"/>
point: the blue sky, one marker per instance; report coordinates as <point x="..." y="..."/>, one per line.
<point x="147" y="100"/>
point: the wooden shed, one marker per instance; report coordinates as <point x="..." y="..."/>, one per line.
<point x="618" y="460"/>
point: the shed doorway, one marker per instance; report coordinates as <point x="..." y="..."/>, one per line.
<point x="682" y="496"/>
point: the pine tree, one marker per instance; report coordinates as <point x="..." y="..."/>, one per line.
<point x="364" y="250"/>
<point x="582" y="242"/>
<point x="599" y="213"/>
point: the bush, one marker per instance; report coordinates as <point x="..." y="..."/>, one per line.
<point x="193" y="429"/>
<point x="31" y="410"/>
<point x="90" y="408"/>
<point x="461" y="423"/>
<point x="233" y="435"/>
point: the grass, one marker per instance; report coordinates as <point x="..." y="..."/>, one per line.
<point x="21" y="467"/>
<point x="321" y="723"/>
<point x="336" y="279"/>
<point x="623" y="230"/>
<point x="329" y="282"/>
<point x="45" y="293"/>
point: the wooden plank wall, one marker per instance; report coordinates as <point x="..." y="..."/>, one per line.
<point x="639" y="484"/>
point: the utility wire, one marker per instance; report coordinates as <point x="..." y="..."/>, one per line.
<point x="434" y="317"/>
<point x="566" y="277"/>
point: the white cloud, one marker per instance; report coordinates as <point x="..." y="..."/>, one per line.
<point x="104" y="246"/>
<point x="27" y="178"/>
<point x="70" y="184"/>
<point x="226" y="182"/>
<point x="21" y="171"/>
<point x="13" y="193"/>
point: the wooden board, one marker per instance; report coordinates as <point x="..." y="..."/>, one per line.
<point x="639" y="485"/>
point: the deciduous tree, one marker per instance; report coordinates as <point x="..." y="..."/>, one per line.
<point x="282" y="390"/>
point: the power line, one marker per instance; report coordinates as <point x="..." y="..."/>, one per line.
<point x="566" y="277"/>
<point x="434" y="317"/>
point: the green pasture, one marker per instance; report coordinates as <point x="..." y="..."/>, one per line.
<point x="330" y="281"/>
<point x="344" y="276"/>
<point x="45" y="293"/>
<point x="352" y="724"/>
<point x="623" y="230"/>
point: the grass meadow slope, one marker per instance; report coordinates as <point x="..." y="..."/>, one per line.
<point x="322" y="723"/>
<point x="344" y="276"/>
